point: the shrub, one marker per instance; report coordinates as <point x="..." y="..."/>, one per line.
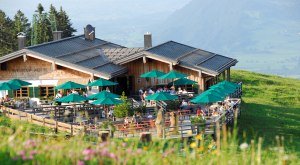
<point x="123" y="109"/>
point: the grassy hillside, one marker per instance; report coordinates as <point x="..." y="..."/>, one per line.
<point x="271" y="106"/>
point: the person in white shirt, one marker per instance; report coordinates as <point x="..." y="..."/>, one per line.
<point x="107" y="89"/>
<point x="110" y="113"/>
<point x="103" y="114"/>
<point x="179" y="90"/>
<point x="58" y="95"/>
<point x="74" y="92"/>
<point x="184" y="91"/>
<point x="150" y="91"/>
<point x="183" y="104"/>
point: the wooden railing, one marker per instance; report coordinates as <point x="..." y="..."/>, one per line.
<point x="56" y="125"/>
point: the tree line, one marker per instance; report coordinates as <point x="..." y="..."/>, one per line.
<point x="9" y="28"/>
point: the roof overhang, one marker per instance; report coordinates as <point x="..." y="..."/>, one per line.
<point x="39" y="56"/>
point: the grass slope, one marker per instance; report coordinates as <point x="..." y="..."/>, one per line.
<point x="271" y="107"/>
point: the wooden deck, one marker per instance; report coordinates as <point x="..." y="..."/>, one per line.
<point x="185" y="128"/>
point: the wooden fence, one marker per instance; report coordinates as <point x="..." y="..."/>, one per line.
<point x="56" y="125"/>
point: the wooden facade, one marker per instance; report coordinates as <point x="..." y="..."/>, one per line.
<point x="140" y="66"/>
<point x="35" y="69"/>
<point x="42" y="74"/>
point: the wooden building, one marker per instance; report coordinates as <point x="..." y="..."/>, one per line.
<point x="84" y="58"/>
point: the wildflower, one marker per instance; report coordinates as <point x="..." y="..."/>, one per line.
<point x="243" y="146"/>
<point x="145" y="148"/>
<point x="124" y="144"/>
<point x="199" y="137"/>
<point x="80" y="162"/>
<point x="88" y="153"/>
<point x="210" y="146"/>
<point x="21" y="153"/>
<point x="201" y="148"/>
<point x="104" y="152"/>
<point x="29" y="144"/>
<point x="129" y="150"/>
<point x="139" y="151"/>
<point x="112" y="155"/>
<point x="103" y="144"/>
<point x="126" y="139"/>
<point x="193" y="145"/>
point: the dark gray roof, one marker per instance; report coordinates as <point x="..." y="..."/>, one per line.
<point x="171" y="49"/>
<point x="207" y="61"/>
<point x="78" y="52"/>
<point x="119" y="53"/>
<point x="106" y="58"/>
<point x="70" y="45"/>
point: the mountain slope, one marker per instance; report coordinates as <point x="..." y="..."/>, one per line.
<point x="271" y="107"/>
<point x="259" y="33"/>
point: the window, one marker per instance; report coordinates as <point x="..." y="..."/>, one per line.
<point x="23" y="92"/>
<point x="47" y="91"/>
<point x="4" y="66"/>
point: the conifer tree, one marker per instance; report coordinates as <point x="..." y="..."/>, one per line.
<point x="6" y="35"/>
<point x="64" y="24"/>
<point x="21" y="24"/>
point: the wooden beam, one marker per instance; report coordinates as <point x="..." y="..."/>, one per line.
<point x="171" y="66"/>
<point x="24" y="57"/>
<point x="200" y="82"/>
<point x="228" y="74"/>
<point x="54" y="66"/>
<point x="144" y="59"/>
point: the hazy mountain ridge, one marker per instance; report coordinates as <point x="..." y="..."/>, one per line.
<point x="268" y="30"/>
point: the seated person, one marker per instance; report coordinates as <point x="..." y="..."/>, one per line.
<point x="58" y="95"/>
<point x="7" y="98"/>
<point x="173" y="92"/>
<point x="103" y="114"/>
<point x="150" y="91"/>
<point x="184" y="91"/>
<point x="126" y="121"/>
<point x="179" y="90"/>
<point x="184" y="104"/>
<point x="107" y="89"/>
<point x="199" y="111"/>
<point x="141" y="92"/>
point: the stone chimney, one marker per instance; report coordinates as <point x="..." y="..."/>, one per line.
<point x="57" y="35"/>
<point x="89" y="32"/>
<point x="147" y="40"/>
<point x="21" y="40"/>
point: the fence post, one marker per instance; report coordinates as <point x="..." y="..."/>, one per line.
<point x="44" y="122"/>
<point x="56" y="126"/>
<point x="20" y="115"/>
<point x="71" y="129"/>
<point x="31" y="118"/>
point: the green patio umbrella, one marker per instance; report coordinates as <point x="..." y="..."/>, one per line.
<point x="8" y="86"/>
<point x="223" y="88"/>
<point x="103" y="94"/>
<point x="228" y="83"/>
<point x="102" y="82"/>
<point x="183" y="81"/>
<point x="161" y="96"/>
<point x="69" y="85"/>
<point x="107" y="101"/>
<point x="172" y="75"/>
<point x="74" y="98"/>
<point x="206" y="98"/>
<point x="152" y="74"/>
<point x="19" y="82"/>
<point x="214" y="92"/>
